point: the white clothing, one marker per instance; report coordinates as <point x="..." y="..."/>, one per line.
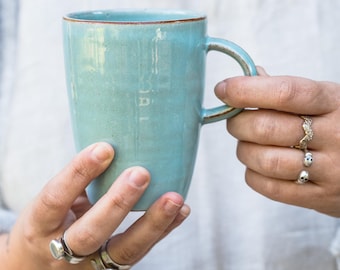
<point x="231" y="227"/>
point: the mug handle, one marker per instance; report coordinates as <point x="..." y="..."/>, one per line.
<point x="247" y="65"/>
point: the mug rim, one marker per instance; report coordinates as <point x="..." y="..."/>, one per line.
<point x="174" y="16"/>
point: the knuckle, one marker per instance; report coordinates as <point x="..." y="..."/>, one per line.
<point x="80" y="170"/>
<point x="51" y="200"/>
<point x="159" y="226"/>
<point x="128" y="255"/>
<point x="87" y="238"/>
<point x="264" y="128"/>
<point x="286" y="92"/>
<point x="119" y="201"/>
<point x="331" y="96"/>
<point x="274" y="191"/>
<point x="314" y="93"/>
<point x="269" y="163"/>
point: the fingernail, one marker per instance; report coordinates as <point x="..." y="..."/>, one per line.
<point x="138" y="177"/>
<point x="185" y="210"/>
<point x="220" y="89"/>
<point x="171" y="207"/>
<point x="102" y="152"/>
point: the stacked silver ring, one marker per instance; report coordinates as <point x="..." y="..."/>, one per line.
<point x="60" y="250"/>
<point x="308" y="157"/>
<point x="103" y="261"/>
<point x="100" y="261"/>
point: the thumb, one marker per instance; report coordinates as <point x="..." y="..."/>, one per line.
<point x="58" y="196"/>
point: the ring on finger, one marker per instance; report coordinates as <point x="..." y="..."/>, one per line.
<point x="308" y="159"/>
<point x="303" y="177"/>
<point x="108" y="260"/>
<point x="307" y="128"/>
<point x="308" y="131"/>
<point x="61" y="250"/>
<point x="103" y="260"/>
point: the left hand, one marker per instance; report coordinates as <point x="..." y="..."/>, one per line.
<point x="62" y="205"/>
<point x="266" y="136"/>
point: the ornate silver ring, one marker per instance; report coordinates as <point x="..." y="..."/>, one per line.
<point x="307" y="128"/>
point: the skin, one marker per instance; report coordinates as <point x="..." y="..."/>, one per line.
<point x="63" y="204"/>
<point x="266" y="135"/>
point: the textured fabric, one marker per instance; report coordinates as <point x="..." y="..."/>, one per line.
<point x="8" y="31"/>
<point x="231" y="227"/>
<point x="7" y="219"/>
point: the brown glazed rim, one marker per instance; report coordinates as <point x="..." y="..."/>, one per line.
<point x="187" y="16"/>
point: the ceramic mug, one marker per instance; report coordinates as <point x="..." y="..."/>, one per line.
<point x="135" y="79"/>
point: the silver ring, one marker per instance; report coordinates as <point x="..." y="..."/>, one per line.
<point x="107" y="260"/>
<point x="303" y="177"/>
<point x="60" y="250"/>
<point x="103" y="261"/>
<point x="307" y="128"/>
<point x="97" y="263"/>
<point x="308" y="159"/>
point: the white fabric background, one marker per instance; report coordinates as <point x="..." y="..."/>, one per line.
<point x="231" y="227"/>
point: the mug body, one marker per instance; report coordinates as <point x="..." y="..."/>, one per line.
<point x="136" y="80"/>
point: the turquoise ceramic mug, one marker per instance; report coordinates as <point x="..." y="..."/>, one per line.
<point x="135" y="79"/>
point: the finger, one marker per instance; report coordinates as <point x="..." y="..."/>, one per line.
<point x="81" y="205"/>
<point x="284" y="93"/>
<point x="283" y="163"/>
<point x="307" y="195"/>
<point x="55" y="200"/>
<point x="132" y="245"/>
<point x="268" y="127"/>
<point x="261" y="71"/>
<point x="182" y="215"/>
<point x="89" y="232"/>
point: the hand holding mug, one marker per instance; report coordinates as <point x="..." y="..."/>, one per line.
<point x="274" y="142"/>
<point x="62" y="210"/>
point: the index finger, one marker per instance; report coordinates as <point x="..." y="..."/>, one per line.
<point x="55" y="200"/>
<point x="284" y="93"/>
